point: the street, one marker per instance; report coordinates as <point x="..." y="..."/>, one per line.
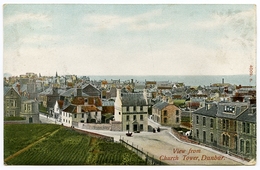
<point x="165" y="147"/>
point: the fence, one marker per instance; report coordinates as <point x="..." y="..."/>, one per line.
<point x="93" y="126"/>
<point x="92" y="134"/>
<point x="149" y="158"/>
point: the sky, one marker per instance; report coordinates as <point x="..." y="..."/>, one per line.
<point x="131" y="39"/>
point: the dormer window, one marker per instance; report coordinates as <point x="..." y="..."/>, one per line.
<point x="229" y="109"/>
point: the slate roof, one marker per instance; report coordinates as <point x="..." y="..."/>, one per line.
<point x="238" y="110"/>
<point x="212" y="112"/>
<point x="71" y="109"/>
<point x="247" y="117"/>
<point x="72" y="91"/>
<point x="160" y="105"/>
<point x="133" y="99"/>
<point x="108" y="103"/>
<point x="6" y="89"/>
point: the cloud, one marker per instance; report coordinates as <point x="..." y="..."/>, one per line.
<point x="141" y="22"/>
<point x="23" y="17"/>
<point x="40" y="38"/>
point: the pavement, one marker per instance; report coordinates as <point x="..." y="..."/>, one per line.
<point x="166" y="147"/>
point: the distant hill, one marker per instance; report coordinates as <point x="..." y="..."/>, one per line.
<point x="7" y="75"/>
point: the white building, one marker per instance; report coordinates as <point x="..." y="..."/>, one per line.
<point x="131" y="109"/>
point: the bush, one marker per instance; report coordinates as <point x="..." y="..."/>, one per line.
<point x="13" y="118"/>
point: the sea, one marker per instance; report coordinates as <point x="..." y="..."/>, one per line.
<point x="194" y="80"/>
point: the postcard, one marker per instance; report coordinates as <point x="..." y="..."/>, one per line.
<point x="129" y="84"/>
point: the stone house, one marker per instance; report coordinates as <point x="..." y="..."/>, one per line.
<point x="131" y="109"/>
<point x="12" y="102"/>
<point x="29" y="110"/>
<point x="166" y="114"/>
<point x="204" y="124"/>
<point x="229" y="126"/>
<point x="246" y="137"/>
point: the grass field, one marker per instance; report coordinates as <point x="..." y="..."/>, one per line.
<point x="64" y="147"/>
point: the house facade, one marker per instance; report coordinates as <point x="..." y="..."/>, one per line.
<point x="166" y="114"/>
<point x="131" y="109"/>
<point x="29" y="110"/>
<point x="12" y="102"/>
<point x="204" y="124"/>
<point x="229" y="126"/>
<point x="74" y="114"/>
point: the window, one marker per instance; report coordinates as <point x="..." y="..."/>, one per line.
<point x="134" y="108"/>
<point x="211" y="137"/>
<point x="165" y="112"/>
<point x="165" y="120"/>
<point x="247" y="147"/>
<point x="204" y="121"/>
<point x="223" y="139"/>
<point x="211" y="123"/>
<point x="177" y="119"/>
<point x="247" y="127"/>
<point x="177" y="112"/>
<point x="134" y="117"/>
<point x="141" y="127"/>
<point x="229" y="109"/>
<point x="141" y="117"/>
<point x="127" y="108"/>
<point x="227" y="124"/>
<point x="141" y="108"/>
<point x="127" y="117"/>
<point x="119" y="113"/>
<point x="127" y="127"/>
<point x="235" y="125"/>
<point x="241" y="145"/>
<point x="25" y="107"/>
<point x="223" y="123"/>
<point x="197" y="133"/>
<point x="244" y="127"/>
<point x="75" y="115"/>
<point x="82" y="115"/>
<point x="197" y="119"/>
<point x="29" y="107"/>
<point x="227" y="140"/>
<point x="204" y="136"/>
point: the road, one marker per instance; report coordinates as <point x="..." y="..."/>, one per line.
<point x="165" y="147"/>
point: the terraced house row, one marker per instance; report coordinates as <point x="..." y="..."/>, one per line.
<point x="228" y="126"/>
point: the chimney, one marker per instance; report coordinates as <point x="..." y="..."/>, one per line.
<point x="118" y="93"/>
<point x="79" y="92"/>
<point x="78" y="108"/>
<point x="55" y="90"/>
<point x="145" y="95"/>
<point x="18" y="88"/>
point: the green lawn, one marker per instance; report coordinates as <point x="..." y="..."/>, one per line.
<point x="66" y="147"/>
